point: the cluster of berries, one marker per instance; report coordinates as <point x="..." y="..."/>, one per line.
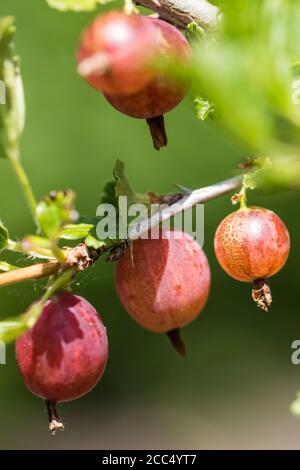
<point x="163" y="283"/>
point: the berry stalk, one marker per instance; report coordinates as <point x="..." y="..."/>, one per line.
<point x="55" y="422"/>
<point x="177" y="342"/>
<point x="158" y="132"/>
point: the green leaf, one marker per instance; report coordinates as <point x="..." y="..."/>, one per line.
<point x="93" y="242"/>
<point x="109" y="194"/>
<point x="113" y="191"/>
<point x="123" y="187"/>
<point x="37" y="247"/>
<point x="88" y="220"/>
<point x="6" y="267"/>
<point x="247" y="73"/>
<point x="55" y="211"/>
<point x="76" y="5"/>
<point x="49" y="219"/>
<point x="75" y="231"/>
<point x="195" y="33"/>
<point x="4" y="236"/>
<point x="12" y="113"/>
<point x="10" y="329"/>
<point x="204" y="108"/>
<point x="30" y="242"/>
<point x="249" y="181"/>
<point x="91" y="239"/>
<point x="254" y="178"/>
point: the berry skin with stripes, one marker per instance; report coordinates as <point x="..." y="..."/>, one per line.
<point x="251" y="245"/>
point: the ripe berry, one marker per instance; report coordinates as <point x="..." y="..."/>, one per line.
<point x="117" y="56"/>
<point x="162" y="93"/>
<point x="115" y="53"/>
<point x="164" y="283"/>
<point x="64" y="355"/>
<point x="252" y="244"/>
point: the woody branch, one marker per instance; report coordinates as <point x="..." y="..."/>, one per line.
<point x="198" y="196"/>
<point x="182" y="12"/>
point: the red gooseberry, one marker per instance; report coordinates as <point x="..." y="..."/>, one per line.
<point x="252" y="244"/>
<point x="164" y="283"/>
<point x="119" y="54"/>
<point x="64" y="355"/>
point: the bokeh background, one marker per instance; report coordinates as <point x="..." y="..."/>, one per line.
<point x="234" y="388"/>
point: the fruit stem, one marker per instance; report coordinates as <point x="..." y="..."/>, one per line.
<point x="32" y="315"/>
<point x="25" y="185"/>
<point x="158" y="132"/>
<point x="177" y="342"/>
<point x="243" y="198"/>
<point x="60" y="282"/>
<point x="57" y="252"/>
<point x="55" y="422"/>
<point x="261" y="294"/>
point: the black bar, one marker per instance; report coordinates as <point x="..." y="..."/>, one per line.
<point x="135" y="458"/>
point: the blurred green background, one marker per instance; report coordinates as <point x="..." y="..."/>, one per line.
<point x="234" y="388"/>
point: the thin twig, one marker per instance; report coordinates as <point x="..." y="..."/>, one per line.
<point x="199" y="196"/>
<point x="36" y="271"/>
<point x="25" y="185"/>
<point x="182" y="12"/>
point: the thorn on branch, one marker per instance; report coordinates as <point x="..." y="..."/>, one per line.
<point x="169" y="199"/>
